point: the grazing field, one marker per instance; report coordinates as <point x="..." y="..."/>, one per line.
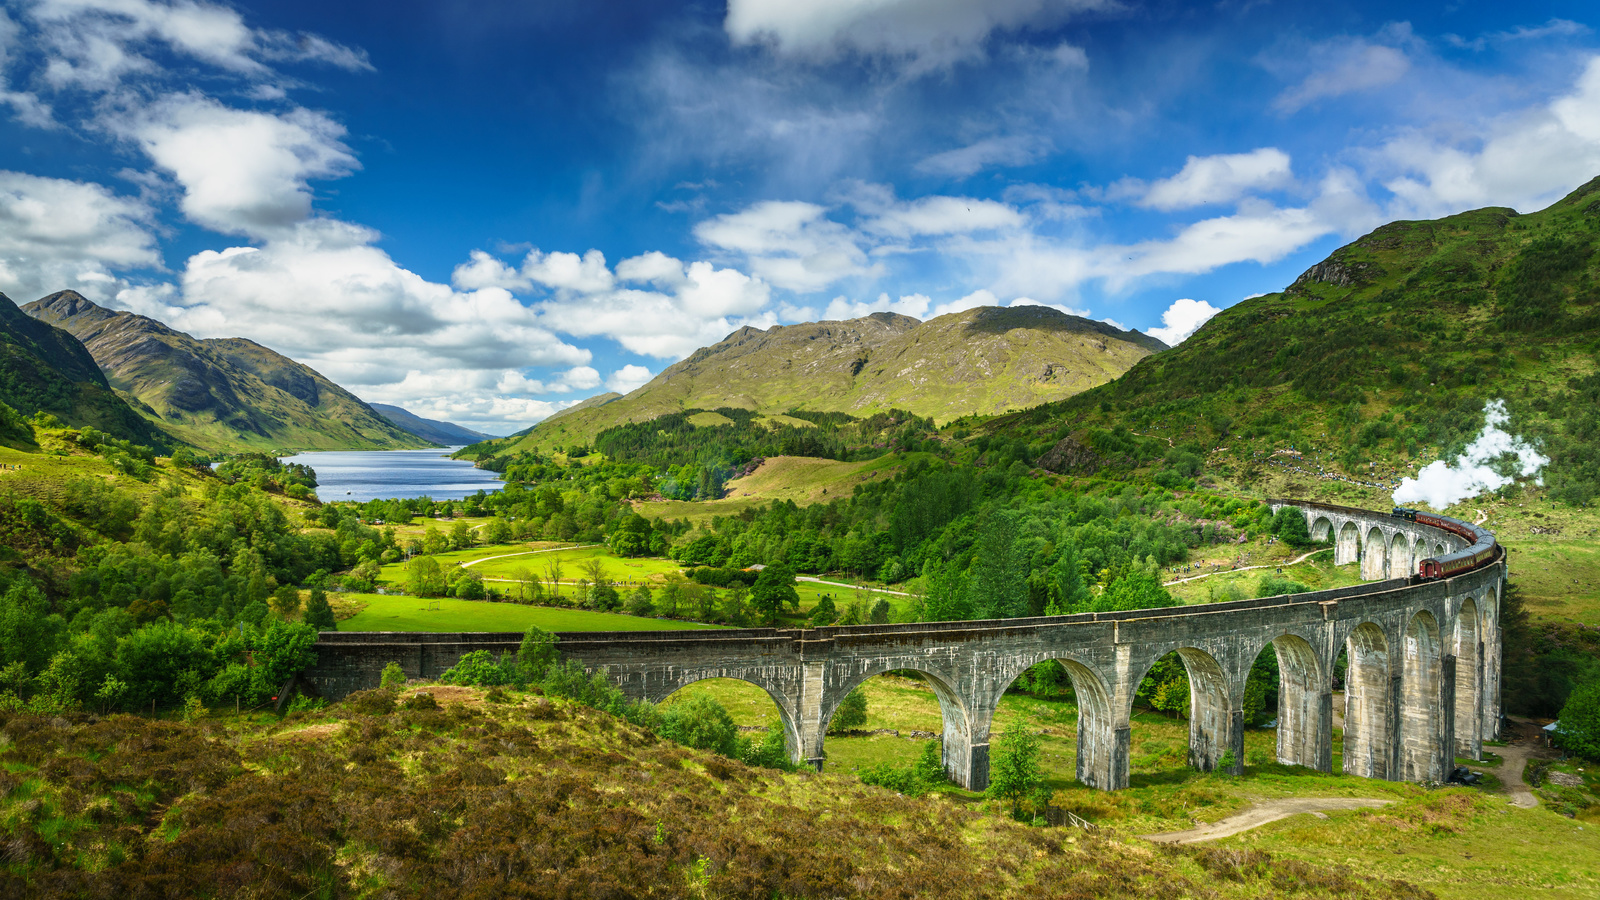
<point x="382" y="612"/>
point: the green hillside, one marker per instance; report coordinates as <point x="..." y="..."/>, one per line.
<point x="224" y="394"/>
<point x="45" y="369"/>
<point x="1376" y="360"/>
<point x="977" y="362"/>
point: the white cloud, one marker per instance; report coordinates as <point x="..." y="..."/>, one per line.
<point x="1348" y="65"/>
<point x="1182" y="319"/>
<point x="92" y="41"/>
<point x="57" y="234"/>
<point x="842" y="308"/>
<point x="1012" y="150"/>
<point x="1552" y="28"/>
<point x="790" y="244"/>
<point x="1219" y="179"/>
<point x="323" y="294"/>
<point x="568" y="271"/>
<point x="485" y="271"/>
<point x="1525" y="159"/>
<point x="242" y="172"/>
<point x="926" y="32"/>
<point x="629" y="378"/>
<point x="940" y="216"/>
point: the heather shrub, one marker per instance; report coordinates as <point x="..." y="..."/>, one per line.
<point x="702" y="723"/>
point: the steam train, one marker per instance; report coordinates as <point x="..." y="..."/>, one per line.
<point x="1482" y="548"/>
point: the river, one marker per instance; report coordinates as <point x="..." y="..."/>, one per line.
<point x="362" y="475"/>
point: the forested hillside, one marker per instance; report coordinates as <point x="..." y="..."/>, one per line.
<point x="1387" y="352"/>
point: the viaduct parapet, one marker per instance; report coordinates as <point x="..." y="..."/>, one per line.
<point x="1422" y="685"/>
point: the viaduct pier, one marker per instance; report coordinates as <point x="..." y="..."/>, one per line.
<point x="1422" y="685"/>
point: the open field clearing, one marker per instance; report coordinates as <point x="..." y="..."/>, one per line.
<point x="383" y="612"/>
<point x="1559" y="578"/>
<point x="803" y="480"/>
<point x="1317" y="573"/>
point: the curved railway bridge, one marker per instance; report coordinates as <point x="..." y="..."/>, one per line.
<point x="1422" y="687"/>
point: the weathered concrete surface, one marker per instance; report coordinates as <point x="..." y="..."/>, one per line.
<point x="1413" y="698"/>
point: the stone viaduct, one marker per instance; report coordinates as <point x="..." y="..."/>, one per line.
<point x="1422" y="686"/>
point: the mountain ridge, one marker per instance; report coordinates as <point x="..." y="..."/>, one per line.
<point x="219" y="394"/>
<point x="447" y="434"/>
<point x="46" y="369"/>
<point x="980" y="361"/>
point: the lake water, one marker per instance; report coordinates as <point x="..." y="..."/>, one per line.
<point x="362" y="475"/>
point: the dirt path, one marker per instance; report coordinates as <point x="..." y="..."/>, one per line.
<point x="1297" y="560"/>
<point x="808" y="578"/>
<point x="1513" y="759"/>
<point x="466" y="565"/>
<point x="1262" y="813"/>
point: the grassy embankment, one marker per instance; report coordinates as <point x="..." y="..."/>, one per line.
<point x="531" y="797"/>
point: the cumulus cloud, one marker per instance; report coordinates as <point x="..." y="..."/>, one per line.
<point x="323" y="293"/>
<point x="941" y="215"/>
<point x="1525" y="159"/>
<point x="1492" y="461"/>
<point x="241" y="171"/>
<point x="57" y="234"/>
<point x="629" y="378"/>
<point x="1349" y="65"/>
<point x="1219" y="179"/>
<point x="791" y="244"/>
<point x="925" y="32"/>
<point x="1183" y="318"/>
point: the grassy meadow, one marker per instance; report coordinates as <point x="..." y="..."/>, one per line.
<point x="390" y="612"/>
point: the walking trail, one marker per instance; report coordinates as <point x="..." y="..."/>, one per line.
<point x="1513" y="759"/>
<point x="1264" y="812"/>
<point x="808" y="578"/>
<point x="527" y="553"/>
<point x="1296" y="561"/>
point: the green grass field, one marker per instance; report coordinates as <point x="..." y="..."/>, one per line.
<point x="1559" y="579"/>
<point x="801" y="479"/>
<point x="393" y="613"/>
<point x="1317" y="573"/>
<point x="1459" y="843"/>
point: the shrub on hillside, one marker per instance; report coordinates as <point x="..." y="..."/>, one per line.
<point x="851" y="714"/>
<point x="702" y="723"/>
<point x="1580" y="722"/>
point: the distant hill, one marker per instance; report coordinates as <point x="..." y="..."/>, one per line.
<point x="46" y="368"/>
<point x="222" y="394"/>
<point x="982" y="361"/>
<point x="448" y="434"/>
<point x="1380" y="357"/>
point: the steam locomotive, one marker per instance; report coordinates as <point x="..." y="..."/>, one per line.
<point x="1482" y="548"/>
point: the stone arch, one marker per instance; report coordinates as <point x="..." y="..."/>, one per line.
<point x="965" y="751"/>
<point x="1304" y="710"/>
<point x="1215" y="719"/>
<point x="1099" y="762"/>
<point x="1400" y="556"/>
<point x="1374" y="555"/>
<point x="1348" y="550"/>
<point x="1321" y="528"/>
<point x="792" y="735"/>
<point x="1421" y="744"/>
<point x="1469" y="681"/>
<point x="1367" y="730"/>
<point x="1438" y="550"/>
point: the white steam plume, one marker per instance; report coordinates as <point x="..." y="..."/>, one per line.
<point x="1441" y="484"/>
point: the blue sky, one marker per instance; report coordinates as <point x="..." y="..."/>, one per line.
<point x="486" y="211"/>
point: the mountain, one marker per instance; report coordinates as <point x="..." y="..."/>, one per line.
<point x="977" y="362"/>
<point x="1377" y="359"/>
<point x="221" y="394"/>
<point x="43" y="368"/>
<point x="448" y="434"/>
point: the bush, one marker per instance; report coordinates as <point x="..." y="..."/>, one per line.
<point x="319" y="613"/>
<point x="479" y="667"/>
<point x="393" y="676"/>
<point x="1580" y="722"/>
<point x="1014" y="773"/>
<point x="851" y="714"/>
<point x="372" y="703"/>
<point x="913" y="780"/>
<point x="702" y="723"/>
<point x="772" y="751"/>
